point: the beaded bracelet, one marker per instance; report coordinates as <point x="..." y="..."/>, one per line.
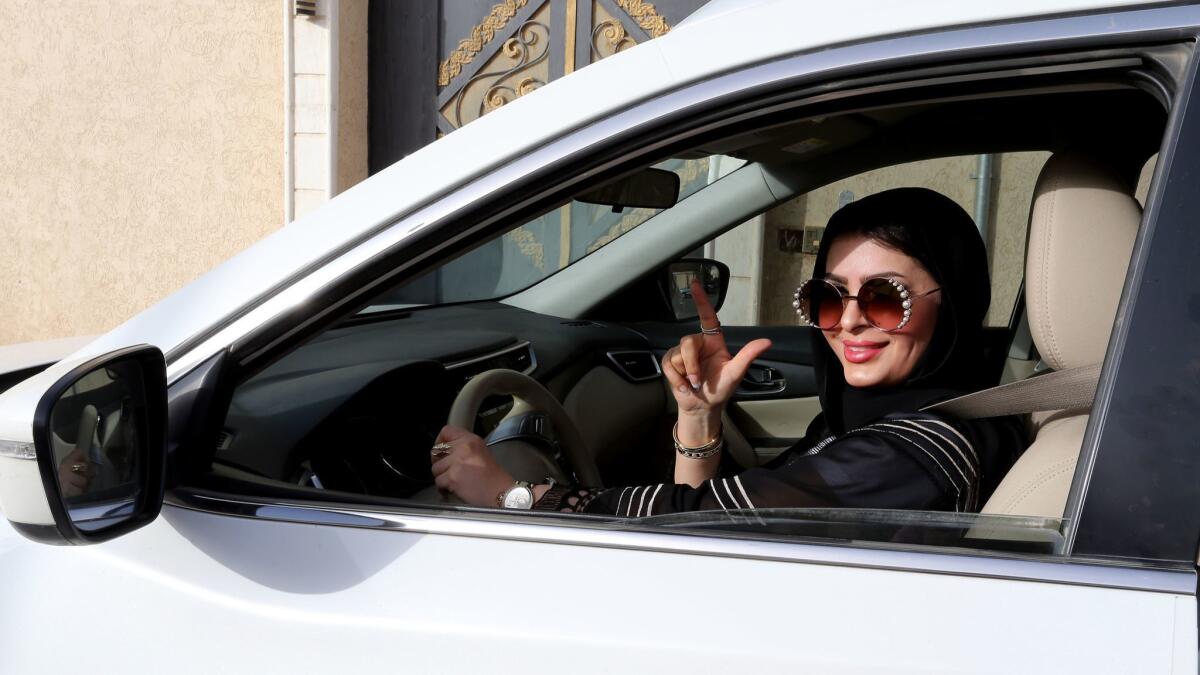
<point x="702" y="452"/>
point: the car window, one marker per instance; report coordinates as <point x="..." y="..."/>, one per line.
<point x="761" y="275"/>
<point x="356" y="409"/>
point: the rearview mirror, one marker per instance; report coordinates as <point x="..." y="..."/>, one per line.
<point x="676" y="284"/>
<point x="99" y="438"/>
<point x="648" y="188"/>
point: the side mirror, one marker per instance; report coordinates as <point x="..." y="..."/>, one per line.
<point x="99" y="434"/>
<point x="648" y="188"/>
<point x="676" y="284"/>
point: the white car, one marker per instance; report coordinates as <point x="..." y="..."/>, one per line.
<point x="258" y="499"/>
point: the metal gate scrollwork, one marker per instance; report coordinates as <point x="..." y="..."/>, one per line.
<point x="520" y="45"/>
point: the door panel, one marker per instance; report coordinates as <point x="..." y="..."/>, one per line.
<point x="252" y="595"/>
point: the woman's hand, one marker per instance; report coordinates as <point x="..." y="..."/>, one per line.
<point x="466" y="468"/>
<point x="74" y="473"/>
<point x="703" y="374"/>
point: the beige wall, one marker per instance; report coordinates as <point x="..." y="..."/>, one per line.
<point x="352" y="93"/>
<point x="140" y="146"/>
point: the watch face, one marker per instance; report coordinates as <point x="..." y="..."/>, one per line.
<point x="518" y="498"/>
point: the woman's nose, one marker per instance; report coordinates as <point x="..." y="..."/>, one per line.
<point x="852" y="316"/>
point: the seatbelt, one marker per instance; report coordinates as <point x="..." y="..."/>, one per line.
<point x="1069" y="389"/>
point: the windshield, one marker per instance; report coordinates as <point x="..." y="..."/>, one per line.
<point x="537" y="249"/>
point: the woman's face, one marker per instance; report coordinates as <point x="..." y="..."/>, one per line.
<point x="870" y="357"/>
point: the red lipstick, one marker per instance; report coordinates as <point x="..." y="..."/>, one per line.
<point x="861" y="351"/>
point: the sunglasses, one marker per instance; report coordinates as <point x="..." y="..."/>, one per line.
<point x="885" y="303"/>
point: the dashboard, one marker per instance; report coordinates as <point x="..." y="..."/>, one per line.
<point x="357" y="408"/>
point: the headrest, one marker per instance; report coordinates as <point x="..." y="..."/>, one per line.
<point x="1082" y="226"/>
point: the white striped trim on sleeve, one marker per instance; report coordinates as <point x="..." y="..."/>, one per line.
<point x="642" y="501"/>
<point x="971" y="461"/>
<point x="732" y="497"/>
<point x="712" y="486"/>
<point x="742" y="489"/>
<point x="650" y="506"/>
<point x="619" y="499"/>
<point x="958" y="497"/>
<point x="953" y="462"/>
<point x="633" y="496"/>
<point x="956" y="433"/>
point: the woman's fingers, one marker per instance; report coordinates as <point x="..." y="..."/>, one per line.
<point x="672" y="367"/>
<point x="449" y="434"/>
<point x="704" y="308"/>
<point x="439" y="466"/>
<point x="691" y="351"/>
<point x="741" y="361"/>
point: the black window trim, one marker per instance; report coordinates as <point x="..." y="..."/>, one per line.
<point x="1129" y="522"/>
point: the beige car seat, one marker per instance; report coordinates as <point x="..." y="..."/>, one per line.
<point x="1082" y="227"/>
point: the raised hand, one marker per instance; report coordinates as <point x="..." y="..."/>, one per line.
<point x="703" y="374"/>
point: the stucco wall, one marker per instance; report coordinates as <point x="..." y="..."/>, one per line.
<point x="352" y="93"/>
<point x="140" y="145"/>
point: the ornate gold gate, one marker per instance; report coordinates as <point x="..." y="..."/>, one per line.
<point x="520" y="45"/>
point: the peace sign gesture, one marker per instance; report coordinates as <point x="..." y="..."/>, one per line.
<point x="703" y="374"/>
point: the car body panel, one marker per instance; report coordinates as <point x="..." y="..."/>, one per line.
<point x="250" y="595"/>
<point x="204" y="591"/>
<point x="39" y="354"/>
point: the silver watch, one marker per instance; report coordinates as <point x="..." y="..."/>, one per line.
<point x="519" y="496"/>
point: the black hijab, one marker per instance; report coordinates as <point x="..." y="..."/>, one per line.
<point x="940" y="235"/>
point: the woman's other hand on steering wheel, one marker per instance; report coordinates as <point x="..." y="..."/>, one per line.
<point x="703" y="374"/>
<point x="463" y="465"/>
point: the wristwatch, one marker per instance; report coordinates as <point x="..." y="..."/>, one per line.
<point x="519" y="496"/>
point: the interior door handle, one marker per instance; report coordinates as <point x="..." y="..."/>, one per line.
<point x="761" y="381"/>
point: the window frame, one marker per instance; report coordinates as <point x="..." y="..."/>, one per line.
<point x="1127" y="523"/>
<point x="260" y="333"/>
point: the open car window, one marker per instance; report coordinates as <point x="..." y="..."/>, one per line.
<point x="351" y="414"/>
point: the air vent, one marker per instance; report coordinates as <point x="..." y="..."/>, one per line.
<point x="636" y="366"/>
<point x="224" y="440"/>
<point x="519" y="357"/>
<point x="578" y="324"/>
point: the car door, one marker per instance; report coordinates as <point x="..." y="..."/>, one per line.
<point x="236" y="582"/>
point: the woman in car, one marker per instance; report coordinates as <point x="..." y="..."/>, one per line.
<point x="899" y="293"/>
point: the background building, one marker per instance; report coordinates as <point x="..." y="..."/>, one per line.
<point x="144" y="143"/>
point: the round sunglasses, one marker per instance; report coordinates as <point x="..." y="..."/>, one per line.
<point x="885" y="303"/>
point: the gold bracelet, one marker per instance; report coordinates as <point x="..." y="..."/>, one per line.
<point x="702" y="452"/>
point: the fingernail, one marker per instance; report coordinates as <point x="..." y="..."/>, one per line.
<point x="695" y="380"/>
<point x="683" y="389"/>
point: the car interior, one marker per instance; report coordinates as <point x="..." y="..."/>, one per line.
<point x="563" y="377"/>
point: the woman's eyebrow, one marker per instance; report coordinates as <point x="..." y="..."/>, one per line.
<point x="888" y="275"/>
<point x="866" y="277"/>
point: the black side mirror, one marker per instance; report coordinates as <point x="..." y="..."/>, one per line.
<point x="676" y="284"/>
<point x="99" y="434"/>
<point x="648" y="188"/>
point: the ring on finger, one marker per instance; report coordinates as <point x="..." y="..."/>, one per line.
<point x="78" y="468"/>
<point x="441" y="449"/>
<point x="715" y="330"/>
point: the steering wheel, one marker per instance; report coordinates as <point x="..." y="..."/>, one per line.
<point x="523" y="460"/>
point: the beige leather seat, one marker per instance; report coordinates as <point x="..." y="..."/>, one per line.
<point x="1082" y="227"/>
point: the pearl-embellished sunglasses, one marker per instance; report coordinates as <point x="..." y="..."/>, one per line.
<point x="885" y="303"/>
